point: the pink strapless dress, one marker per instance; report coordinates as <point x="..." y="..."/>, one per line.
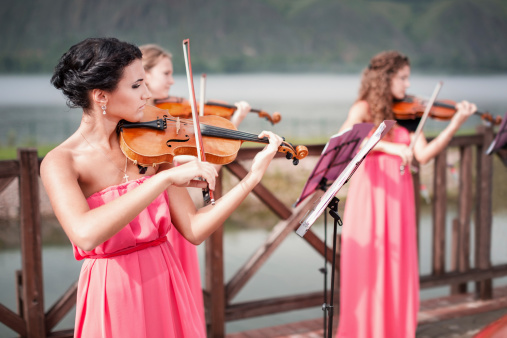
<point x="133" y="284"/>
<point x="187" y="254"/>
<point x="379" y="292"/>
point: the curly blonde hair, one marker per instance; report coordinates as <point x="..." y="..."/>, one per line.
<point x="152" y="54"/>
<point x="376" y="83"/>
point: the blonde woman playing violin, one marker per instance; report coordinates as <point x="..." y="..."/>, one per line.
<point x="158" y="66"/>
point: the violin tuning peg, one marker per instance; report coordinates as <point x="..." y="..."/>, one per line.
<point x="295" y="161"/>
<point x="288" y="156"/>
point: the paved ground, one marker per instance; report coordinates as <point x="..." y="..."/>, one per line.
<point x="459" y="327"/>
<point x="462" y="327"/>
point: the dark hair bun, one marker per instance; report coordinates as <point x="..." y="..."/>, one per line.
<point x="94" y="63"/>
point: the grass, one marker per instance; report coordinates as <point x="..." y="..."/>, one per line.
<point x="11" y="153"/>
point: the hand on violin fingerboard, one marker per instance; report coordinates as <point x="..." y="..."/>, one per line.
<point x="243" y="108"/>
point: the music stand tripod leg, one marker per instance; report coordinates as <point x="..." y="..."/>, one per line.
<point x="329" y="308"/>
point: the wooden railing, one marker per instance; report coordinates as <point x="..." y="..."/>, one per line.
<point x="30" y="320"/>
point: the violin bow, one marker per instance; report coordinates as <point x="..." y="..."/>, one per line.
<point x="202" y="94"/>
<point x="423" y="120"/>
<point x="206" y="193"/>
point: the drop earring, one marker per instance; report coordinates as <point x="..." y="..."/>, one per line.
<point x="103" y="110"/>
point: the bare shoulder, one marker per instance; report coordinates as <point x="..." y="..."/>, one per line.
<point x="58" y="162"/>
<point x="358" y="113"/>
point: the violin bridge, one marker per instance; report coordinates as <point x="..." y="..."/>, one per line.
<point x="177" y="125"/>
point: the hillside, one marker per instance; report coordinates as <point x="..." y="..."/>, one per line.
<point x="466" y="36"/>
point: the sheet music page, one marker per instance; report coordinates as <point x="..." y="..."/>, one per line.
<point x="322" y="203"/>
<point x="337" y="152"/>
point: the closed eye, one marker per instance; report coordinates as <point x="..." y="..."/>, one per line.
<point x="137" y="84"/>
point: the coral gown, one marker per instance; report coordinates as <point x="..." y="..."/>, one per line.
<point x="379" y="292"/>
<point x="187" y="254"/>
<point x="133" y="284"/>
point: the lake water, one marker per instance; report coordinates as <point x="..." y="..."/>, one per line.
<point x="311" y="105"/>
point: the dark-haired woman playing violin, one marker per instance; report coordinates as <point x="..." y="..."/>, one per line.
<point x="379" y="290"/>
<point x="131" y="283"/>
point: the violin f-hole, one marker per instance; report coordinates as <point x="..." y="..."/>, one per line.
<point x="176" y="140"/>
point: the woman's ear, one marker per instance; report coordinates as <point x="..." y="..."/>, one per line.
<point x="100" y="97"/>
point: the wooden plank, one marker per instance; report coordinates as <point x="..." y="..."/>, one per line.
<point x="471" y="275"/>
<point x="261" y="192"/>
<point x="477" y="225"/>
<point x="274" y="239"/>
<point x="431" y="312"/>
<point x="439" y="212"/>
<point x="416" y="181"/>
<point x="483" y="213"/>
<point x="61" y="307"/>
<point x="19" y="293"/>
<point x="9" y="168"/>
<point x="465" y="140"/>
<point x="215" y="277"/>
<point x="274" y="305"/>
<point x="464" y="307"/>
<point x="455" y="249"/>
<point x="465" y="211"/>
<point x="12" y="320"/>
<point x="502" y="154"/>
<point x="4" y="182"/>
<point x="33" y="296"/>
<point x="61" y="334"/>
<point x="310" y="328"/>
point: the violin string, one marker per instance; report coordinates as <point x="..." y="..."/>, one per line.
<point x="234" y="134"/>
<point x="125" y="176"/>
<point x="214" y="131"/>
<point x="210" y="130"/>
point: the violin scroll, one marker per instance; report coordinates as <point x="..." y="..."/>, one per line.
<point x="293" y="153"/>
<point x="494" y="120"/>
<point x="277" y="117"/>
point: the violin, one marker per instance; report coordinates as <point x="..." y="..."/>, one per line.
<point x="159" y="136"/>
<point x="412" y="107"/>
<point x="179" y="108"/>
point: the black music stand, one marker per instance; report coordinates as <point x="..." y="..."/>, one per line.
<point x="338" y="164"/>
<point x="337" y="153"/>
<point x="499" y="143"/>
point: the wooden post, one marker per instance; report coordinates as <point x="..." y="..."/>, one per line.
<point x="215" y="275"/>
<point x="19" y="291"/>
<point x="439" y="211"/>
<point x="416" y="181"/>
<point x="33" y="297"/>
<point x="484" y="289"/>
<point x="464" y="213"/>
<point x="455" y="253"/>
